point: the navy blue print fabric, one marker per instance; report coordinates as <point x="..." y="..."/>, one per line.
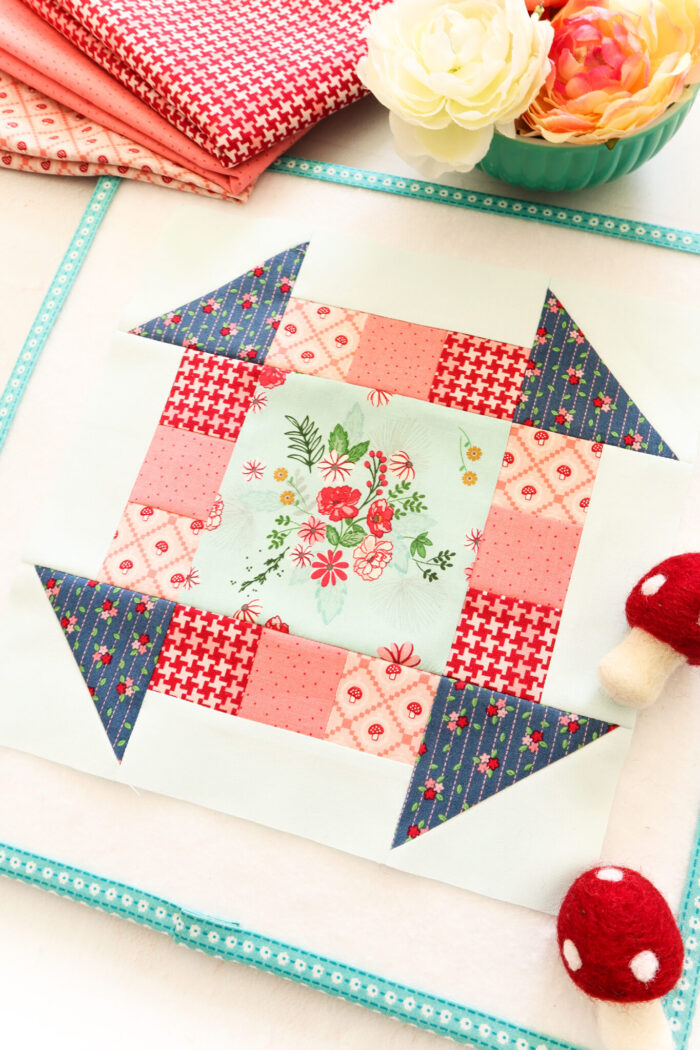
<point x="568" y="389"/>
<point x="237" y="320"/>
<point x="478" y="742"/>
<point x="115" y="637"/>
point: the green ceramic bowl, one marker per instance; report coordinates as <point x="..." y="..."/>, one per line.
<point x="539" y="165"/>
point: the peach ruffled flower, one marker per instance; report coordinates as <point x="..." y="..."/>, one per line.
<point x="616" y="66"/>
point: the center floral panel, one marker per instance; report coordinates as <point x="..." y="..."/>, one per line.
<point x="345" y="514"/>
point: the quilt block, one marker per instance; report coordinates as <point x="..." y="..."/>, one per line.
<point x="356" y="550"/>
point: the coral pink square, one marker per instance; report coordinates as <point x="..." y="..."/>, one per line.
<point x="293" y="683"/>
<point x="182" y="472"/>
<point x="526" y="556"/>
<point x="397" y="356"/>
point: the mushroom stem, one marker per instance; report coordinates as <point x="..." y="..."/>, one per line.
<point x="635" y="672"/>
<point x="633" y="1026"/>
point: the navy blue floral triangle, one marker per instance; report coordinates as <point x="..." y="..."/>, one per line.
<point x="478" y="742"/>
<point x="237" y="320"/>
<point x="568" y="389"/>
<point x="115" y="636"/>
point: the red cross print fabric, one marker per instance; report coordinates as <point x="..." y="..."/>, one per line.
<point x="504" y="643"/>
<point x="206" y="658"/>
<point x="211" y="395"/>
<point x="479" y="375"/>
<point x="236" y="76"/>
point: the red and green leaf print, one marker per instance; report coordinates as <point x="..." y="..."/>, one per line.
<point x="344" y="505"/>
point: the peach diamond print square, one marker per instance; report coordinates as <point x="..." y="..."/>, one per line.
<point x="548" y="474"/>
<point x="316" y="339"/>
<point x="152" y="551"/>
<point x="381" y="708"/>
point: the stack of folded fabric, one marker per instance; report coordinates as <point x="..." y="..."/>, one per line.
<point x="215" y="88"/>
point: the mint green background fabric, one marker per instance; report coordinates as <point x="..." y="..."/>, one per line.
<point x="398" y="606"/>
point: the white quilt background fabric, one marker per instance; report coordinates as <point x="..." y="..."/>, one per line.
<point x="98" y="980"/>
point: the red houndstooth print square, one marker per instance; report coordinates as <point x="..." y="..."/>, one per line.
<point x="211" y="395"/>
<point x="504" y="643"/>
<point x="479" y="375"/>
<point x="206" y="658"/>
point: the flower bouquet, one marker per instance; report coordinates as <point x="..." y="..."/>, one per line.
<point x="550" y="98"/>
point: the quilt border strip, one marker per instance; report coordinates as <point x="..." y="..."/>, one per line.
<point x="551" y="214"/>
<point x="228" y="941"/>
<point x="53" y="301"/>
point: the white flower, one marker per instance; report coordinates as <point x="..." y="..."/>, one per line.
<point x="449" y="71"/>
<point x="335" y="466"/>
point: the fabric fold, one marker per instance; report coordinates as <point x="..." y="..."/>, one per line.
<point x="38" y="134"/>
<point x="36" y="54"/>
<point x="247" y="76"/>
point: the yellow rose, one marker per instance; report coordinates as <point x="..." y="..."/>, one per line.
<point x="616" y="66"/>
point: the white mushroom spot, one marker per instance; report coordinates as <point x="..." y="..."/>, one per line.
<point x="653" y="584"/>
<point x="610" y="874"/>
<point x="645" y="966"/>
<point x="571" y="955"/>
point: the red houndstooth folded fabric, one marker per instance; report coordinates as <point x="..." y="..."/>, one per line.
<point x="235" y="76"/>
<point x="37" y="55"/>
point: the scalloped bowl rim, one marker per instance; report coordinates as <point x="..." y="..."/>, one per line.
<point x="687" y="96"/>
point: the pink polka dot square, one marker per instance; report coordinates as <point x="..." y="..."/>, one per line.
<point x="182" y="472"/>
<point x="293" y="683"/>
<point x="526" y="556"/>
<point x="397" y="356"/>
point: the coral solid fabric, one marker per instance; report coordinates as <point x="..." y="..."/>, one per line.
<point x="235" y="75"/>
<point x="526" y="556"/>
<point x="397" y="356"/>
<point x="293" y="683"/>
<point x="182" y="472"/>
<point x="35" y="53"/>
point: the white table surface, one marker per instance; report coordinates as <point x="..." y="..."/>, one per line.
<point x="73" y="977"/>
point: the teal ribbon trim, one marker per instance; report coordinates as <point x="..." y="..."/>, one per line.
<point x="53" y="302"/>
<point x="227" y="940"/>
<point x="553" y="215"/>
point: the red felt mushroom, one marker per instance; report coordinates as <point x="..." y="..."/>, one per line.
<point x="620" y="944"/>
<point x="663" y="611"/>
